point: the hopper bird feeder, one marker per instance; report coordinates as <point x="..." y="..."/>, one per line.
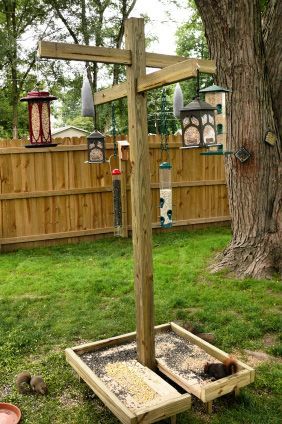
<point x="96" y="147"/>
<point x="116" y="177"/>
<point x="198" y="124"/>
<point x="165" y="195"/>
<point x="39" y="118"/>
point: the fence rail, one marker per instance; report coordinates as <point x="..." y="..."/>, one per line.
<point x="51" y="194"/>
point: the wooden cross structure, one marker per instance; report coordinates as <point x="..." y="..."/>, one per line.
<point x="173" y="69"/>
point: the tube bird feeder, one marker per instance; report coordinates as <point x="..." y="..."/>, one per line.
<point x="165" y="195"/>
<point x="116" y="177"/>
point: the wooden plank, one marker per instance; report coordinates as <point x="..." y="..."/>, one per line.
<point x="195" y="221"/>
<point x="79" y="147"/>
<point x="100" y="389"/>
<point x="156" y="60"/>
<point x="52" y="193"/>
<point x="107" y="95"/>
<point x="20" y="150"/>
<point x="105" y="230"/>
<point x="173" y="73"/>
<point x="210" y="349"/>
<point x="53" y="50"/>
<point x="178" y="71"/>
<point x="113" y="341"/>
<point x="226" y="385"/>
<point x="140" y="195"/>
<point x="193" y="183"/>
<point x="195" y="389"/>
<point x="58" y="235"/>
<point x="165" y="409"/>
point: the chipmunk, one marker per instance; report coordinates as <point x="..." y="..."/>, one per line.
<point x="221" y="370"/>
<point x="26" y="383"/>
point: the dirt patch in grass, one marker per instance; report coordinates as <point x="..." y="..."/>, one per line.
<point x="69" y="400"/>
<point x="5" y="390"/>
<point x="269" y="340"/>
<point x="26" y="296"/>
<point x="255" y="358"/>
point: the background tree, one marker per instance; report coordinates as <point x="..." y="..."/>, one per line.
<point x="17" y="18"/>
<point x="191" y="42"/>
<point x="246" y="46"/>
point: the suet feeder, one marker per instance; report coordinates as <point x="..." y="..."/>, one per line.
<point x="96" y="147"/>
<point x="39" y="118"/>
<point x="116" y="177"/>
<point x="165" y="195"/>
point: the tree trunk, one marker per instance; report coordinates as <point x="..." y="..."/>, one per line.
<point x="234" y="34"/>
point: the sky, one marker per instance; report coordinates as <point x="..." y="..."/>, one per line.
<point x="161" y="24"/>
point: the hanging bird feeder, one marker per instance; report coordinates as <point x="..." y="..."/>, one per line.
<point x="96" y="147"/>
<point x="39" y="118"/>
<point x="116" y="177"/>
<point x="165" y="195"/>
<point x="198" y="124"/>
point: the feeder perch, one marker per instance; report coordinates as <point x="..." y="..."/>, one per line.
<point x="116" y="177"/>
<point x="218" y="152"/>
<point x="96" y="147"/>
<point x="39" y="118"/>
<point x="165" y="195"/>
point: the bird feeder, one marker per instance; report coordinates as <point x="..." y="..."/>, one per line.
<point x="96" y="147"/>
<point x="39" y="118"/>
<point x="198" y="124"/>
<point x="116" y="177"/>
<point x="165" y="195"/>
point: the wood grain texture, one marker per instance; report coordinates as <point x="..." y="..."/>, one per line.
<point x="170" y="401"/>
<point x="173" y="73"/>
<point x="140" y="195"/>
<point x="53" y="50"/>
<point x="51" y="194"/>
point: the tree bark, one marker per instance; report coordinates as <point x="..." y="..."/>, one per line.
<point x="234" y="35"/>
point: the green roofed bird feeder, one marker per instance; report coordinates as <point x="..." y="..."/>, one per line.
<point x="198" y="124"/>
<point x="96" y="147"/>
<point x="165" y="195"/>
<point x="214" y="89"/>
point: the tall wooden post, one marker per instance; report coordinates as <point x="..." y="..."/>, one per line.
<point x="140" y="194"/>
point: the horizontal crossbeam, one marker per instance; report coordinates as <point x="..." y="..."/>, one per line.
<point x="53" y="50"/>
<point x="173" y="68"/>
<point x="168" y="75"/>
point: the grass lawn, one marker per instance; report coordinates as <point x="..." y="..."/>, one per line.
<point x="52" y="298"/>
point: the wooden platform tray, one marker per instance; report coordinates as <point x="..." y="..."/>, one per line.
<point x="169" y="337"/>
<point x="131" y="391"/>
<point x="205" y="390"/>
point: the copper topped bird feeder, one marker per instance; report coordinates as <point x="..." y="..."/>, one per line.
<point x="39" y="118"/>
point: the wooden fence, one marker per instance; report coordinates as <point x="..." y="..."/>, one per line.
<point x="51" y="194"/>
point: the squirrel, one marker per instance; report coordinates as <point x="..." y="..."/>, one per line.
<point x="221" y="370"/>
<point x="25" y="383"/>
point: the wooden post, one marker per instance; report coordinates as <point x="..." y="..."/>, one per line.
<point x="122" y="168"/>
<point x="140" y="195"/>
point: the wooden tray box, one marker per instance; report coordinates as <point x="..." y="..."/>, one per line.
<point x="171" y="402"/>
